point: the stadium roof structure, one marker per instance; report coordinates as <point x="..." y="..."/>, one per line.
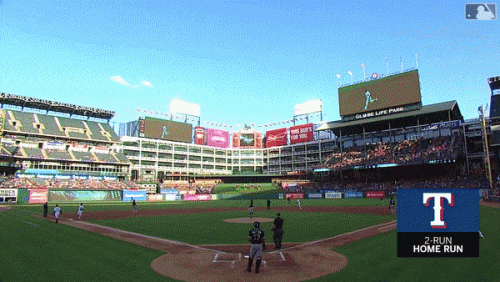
<point x="446" y="111"/>
<point x="35" y="103"/>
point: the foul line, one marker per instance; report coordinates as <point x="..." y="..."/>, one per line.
<point x="150" y="237"/>
<point x="338" y="236"/>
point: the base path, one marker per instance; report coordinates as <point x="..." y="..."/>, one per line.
<point x="186" y="262"/>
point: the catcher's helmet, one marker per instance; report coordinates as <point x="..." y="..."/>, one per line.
<point x="256" y="224"/>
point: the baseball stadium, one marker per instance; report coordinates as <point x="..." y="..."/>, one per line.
<point x="167" y="198"/>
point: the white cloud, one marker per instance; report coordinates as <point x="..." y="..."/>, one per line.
<point x="120" y="80"/>
<point x="147" y="84"/>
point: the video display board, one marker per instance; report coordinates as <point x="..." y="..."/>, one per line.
<point x="217" y="138"/>
<point x="276" y="137"/>
<point x="301" y="133"/>
<point x="384" y="93"/>
<point x="248" y="140"/>
<point x="165" y="130"/>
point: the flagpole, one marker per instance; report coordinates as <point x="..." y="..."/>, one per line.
<point x="387" y="64"/>
<point x="364" y="73"/>
<point x="401" y="63"/>
<point x="416" y="60"/>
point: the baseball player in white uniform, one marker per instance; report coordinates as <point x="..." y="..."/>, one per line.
<point x="57" y="211"/>
<point x="79" y="212"/>
<point x="298" y="204"/>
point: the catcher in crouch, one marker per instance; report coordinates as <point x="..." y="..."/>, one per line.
<point x="257" y="238"/>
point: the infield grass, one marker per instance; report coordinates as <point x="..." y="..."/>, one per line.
<point x="209" y="228"/>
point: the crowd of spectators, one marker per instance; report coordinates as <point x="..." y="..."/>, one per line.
<point x="431" y="183"/>
<point x="405" y="152"/>
<point x="69" y="184"/>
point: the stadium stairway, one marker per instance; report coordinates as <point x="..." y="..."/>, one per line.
<point x="23" y="152"/>
<point x="44" y="154"/>
<point x="72" y="155"/>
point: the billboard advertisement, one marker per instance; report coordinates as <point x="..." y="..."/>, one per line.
<point x="301" y="133"/>
<point x="38" y="196"/>
<point x="84" y="196"/>
<point x="165" y="130"/>
<point x="333" y="195"/>
<point x="200" y="136"/>
<point x="375" y="194"/>
<point x="155" y="198"/>
<point x="169" y="191"/>
<point x="8" y="195"/>
<point x="351" y="195"/>
<point x="236" y="139"/>
<point x="217" y="138"/>
<point x="315" y="196"/>
<point x="172" y="197"/>
<point x="197" y="197"/>
<point x="130" y="195"/>
<point x="438" y="223"/>
<point x="294" y="196"/>
<point x="378" y="94"/>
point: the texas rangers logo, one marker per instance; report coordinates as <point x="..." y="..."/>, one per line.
<point x="438" y="221"/>
<point x="369" y="99"/>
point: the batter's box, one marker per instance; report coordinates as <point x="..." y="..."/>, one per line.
<point x="227" y="257"/>
<point x="274" y="256"/>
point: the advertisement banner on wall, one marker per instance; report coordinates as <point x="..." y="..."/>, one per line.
<point x="169" y="191"/>
<point x="8" y="195"/>
<point x="38" y="196"/>
<point x="197" y="197"/>
<point x="315" y="196"/>
<point x="172" y="197"/>
<point x="375" y="194"/>
<point x="301" y="133"/>
<point x="217" y="138"/>
<point x="84" y="196"/>
<point x="351" y="195"/>
<point x="294" y="196"/>
<point x="236" y="139"/>
<point x="129" y="196"/>
<point x="333" y="195"/>
<point x="276" y="137"/>
<point x="155" y="198"/>
<point x="199" y="136"/>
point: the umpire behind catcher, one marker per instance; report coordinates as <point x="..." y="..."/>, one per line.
<point x="257" y="238"/>
<point x="278" y="231"/>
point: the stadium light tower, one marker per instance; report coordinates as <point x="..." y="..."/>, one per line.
<point x="340" y="79"/>
<point x="350" y="73"/>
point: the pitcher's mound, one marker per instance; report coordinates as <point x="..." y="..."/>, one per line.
<point x="248" y="219"/>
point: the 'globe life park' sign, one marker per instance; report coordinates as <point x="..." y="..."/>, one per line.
<point x="383" y="112"/>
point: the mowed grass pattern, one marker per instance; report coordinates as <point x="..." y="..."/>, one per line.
<point x="33" y="249"/>
<point x="209" y="228"/>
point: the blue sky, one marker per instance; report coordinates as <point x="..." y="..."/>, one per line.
<point x="241" y="61"/>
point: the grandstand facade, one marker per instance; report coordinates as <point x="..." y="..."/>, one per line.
<point x="40" y="136"/>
